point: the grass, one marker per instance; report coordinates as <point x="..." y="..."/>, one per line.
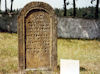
<point x="87" y="51"/>
<point x="8" y="53"/>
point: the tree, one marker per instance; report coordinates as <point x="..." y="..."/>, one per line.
<point x="97" y="9"/>
<point x="74" y="8"/>
<point x="5" y="5"/>
<point x="65" y="9"/>
<point x="0" y="5"/>
<point x="11" y="5"/>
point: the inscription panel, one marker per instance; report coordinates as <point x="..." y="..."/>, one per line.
<point x="38" y="41"/>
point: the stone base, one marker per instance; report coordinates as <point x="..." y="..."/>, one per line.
<point x="41" y="72"/>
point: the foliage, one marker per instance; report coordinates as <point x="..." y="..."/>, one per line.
<point x="88" y="12"/>
<point x="59" y="12"/>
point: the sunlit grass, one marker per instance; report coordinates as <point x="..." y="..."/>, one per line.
<point x="8" y="53"/>
<point x="87" y="51"/>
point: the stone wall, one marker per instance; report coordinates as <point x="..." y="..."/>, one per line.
<point x="8" y="23"/>
<point x="78" y="28"/>
<point x="67" y="27"/>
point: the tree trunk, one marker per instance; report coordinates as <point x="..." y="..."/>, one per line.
<point x="97" y="9"/>
<point x="11" y="5"/>
<point x="65" y="9"/>
<point x="74" y="8"/>
<point x="0" y="5"/>
<point x="6" y="6"/>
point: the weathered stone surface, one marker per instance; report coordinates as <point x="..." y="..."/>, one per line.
<point x="78" y="28"/>
<point x="8" y="23"/>
<point x="38" y="40"/>
<point x="37" y="37"/>
<point x="67" y="27"/>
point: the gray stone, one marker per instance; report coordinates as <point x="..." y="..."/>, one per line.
<point x="78" y="28"/>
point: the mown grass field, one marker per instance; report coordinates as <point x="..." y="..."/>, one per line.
<point x="87" y="51"/>
<point x="8" y="53"/>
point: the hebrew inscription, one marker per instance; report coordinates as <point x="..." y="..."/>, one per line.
<point x="37" y="38"/>
<point x="38" y="41"/>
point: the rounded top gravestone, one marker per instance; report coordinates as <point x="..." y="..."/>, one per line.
<point x="37" y="37"/>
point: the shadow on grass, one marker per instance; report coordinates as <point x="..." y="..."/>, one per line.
<point x="98" y="39"/>
<point x="83" y="69"/>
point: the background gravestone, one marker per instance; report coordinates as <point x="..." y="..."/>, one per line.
<point x="37" y="40"/>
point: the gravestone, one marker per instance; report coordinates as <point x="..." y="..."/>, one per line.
<point x="37" y="40"/>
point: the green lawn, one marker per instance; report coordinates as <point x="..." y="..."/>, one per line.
<point x="87" y="51"/>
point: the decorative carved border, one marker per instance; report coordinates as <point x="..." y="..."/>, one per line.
<point x="21" y="33"/>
